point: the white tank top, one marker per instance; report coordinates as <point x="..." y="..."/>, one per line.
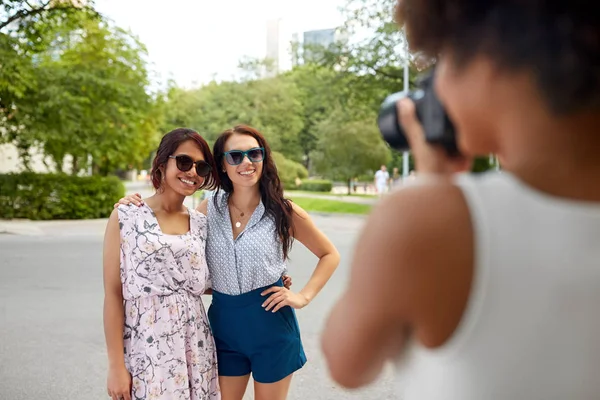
<point x="531" y="329"/>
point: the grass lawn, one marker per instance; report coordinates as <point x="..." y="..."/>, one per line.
<point x="330" y="206"/>
<point x="291" y="193"/>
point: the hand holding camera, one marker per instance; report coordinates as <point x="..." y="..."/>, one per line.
<point x="429" y="158"/>
<point x="417" y="120"/>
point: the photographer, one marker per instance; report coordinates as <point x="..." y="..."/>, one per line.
<point x="494" y="281"/>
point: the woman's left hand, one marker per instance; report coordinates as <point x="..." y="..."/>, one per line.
<point x="281" y="297"/>
<point x="287" y="281"/>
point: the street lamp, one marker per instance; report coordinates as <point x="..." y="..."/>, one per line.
<point x="405" y="154"/>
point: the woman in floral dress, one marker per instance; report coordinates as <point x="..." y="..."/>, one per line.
<point x="158" y="337"/>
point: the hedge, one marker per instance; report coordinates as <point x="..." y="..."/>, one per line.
<point x="289" y="170"/>
<point x="57" y="196"/>
<point x="314" y="185"/>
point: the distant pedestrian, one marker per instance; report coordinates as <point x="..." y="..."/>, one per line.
<point x="381" y="180"/>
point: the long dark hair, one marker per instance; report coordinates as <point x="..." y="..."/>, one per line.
<point x="271" y="190"/>
<point x="169" y="143"/>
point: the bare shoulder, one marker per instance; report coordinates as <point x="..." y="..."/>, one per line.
<point x="112" y="227"/>
<point x="422" y="222"/>
<point x="424" y="208"/>
<point x="420" y="239"/>
<point x="203" y="207"/>
<point x="114" y="215"/>
<point x="298" y="212"/>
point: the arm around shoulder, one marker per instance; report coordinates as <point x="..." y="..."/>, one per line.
<point x="203" y="207"/>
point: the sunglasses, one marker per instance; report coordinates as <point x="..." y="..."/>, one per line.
<point x="235" y="157"/>
<point x="185" y="163"/>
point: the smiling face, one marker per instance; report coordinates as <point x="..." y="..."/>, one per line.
<point x="181" y="182"/>
<point x="247" y="173"/>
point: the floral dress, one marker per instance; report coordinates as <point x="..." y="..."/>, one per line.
<point x="169" y="348"/>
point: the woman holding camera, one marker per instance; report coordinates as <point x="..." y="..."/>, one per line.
<point x="494" y="280"/>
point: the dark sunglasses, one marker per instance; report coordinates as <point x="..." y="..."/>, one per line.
<point x="235" y="157"/>
<point x="185" y="163"/>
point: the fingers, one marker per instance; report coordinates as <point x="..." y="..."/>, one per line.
<point x="134" y="199"/>
<point x="272" y="289"/>
<point x="281" y="304"/>
<point x="408" y="120"/>
<point x="273" y="300"/>
<point x="120" y="395"/>
<point x="276" y="304"/>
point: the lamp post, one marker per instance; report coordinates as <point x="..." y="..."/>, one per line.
<point x="406" y="154"/>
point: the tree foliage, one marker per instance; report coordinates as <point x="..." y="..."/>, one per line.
<point x="77" y="87"/>
<point x="347" y="148"/>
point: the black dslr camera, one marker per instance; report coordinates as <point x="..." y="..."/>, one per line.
<point x="438" y="128"/>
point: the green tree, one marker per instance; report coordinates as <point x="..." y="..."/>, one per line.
<point x="271" y="105"/>
<point x="347" y="148"/>
<point x="276" y="110"/>
<point x="91" y="100"/>
<point x="320" y="90"/>
<point x="26" y="29"/>
<point x="372" y="61"/>
<point x="288" y="170"/>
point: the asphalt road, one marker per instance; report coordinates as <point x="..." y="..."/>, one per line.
<point x="51" y="334"/>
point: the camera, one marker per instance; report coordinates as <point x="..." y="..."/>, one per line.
<point x="438" y="127"/>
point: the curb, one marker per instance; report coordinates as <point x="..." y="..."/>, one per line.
<point x="19" y="228"/>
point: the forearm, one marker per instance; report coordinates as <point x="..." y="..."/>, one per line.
<point x="356" y="346"/>
<point x="114" y="321"/>
<point x="323" y="271"/>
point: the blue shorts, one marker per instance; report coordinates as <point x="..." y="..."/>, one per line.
<point x="252" y="340"/>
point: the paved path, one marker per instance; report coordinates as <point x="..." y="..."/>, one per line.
<point x="51" y="333"/>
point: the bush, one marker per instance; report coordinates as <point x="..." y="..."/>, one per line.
<point x="289" y="170"/>
<point x="57" y="196"/>
<point x="315" y="185"/>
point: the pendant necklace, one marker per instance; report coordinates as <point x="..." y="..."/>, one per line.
<point x="238" y="224"/>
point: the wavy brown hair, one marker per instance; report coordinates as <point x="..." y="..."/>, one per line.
<point x="169" y="144"/>
<point x="271" y="190"/>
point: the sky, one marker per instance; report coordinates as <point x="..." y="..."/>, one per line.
<point x="195" y="41"/>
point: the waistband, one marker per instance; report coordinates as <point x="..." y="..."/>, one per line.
<point x="244" y="299"/>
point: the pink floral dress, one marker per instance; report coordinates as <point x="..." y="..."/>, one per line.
<point x="169" y="348"/>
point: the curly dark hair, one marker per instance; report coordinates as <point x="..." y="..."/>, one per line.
<point x="557" y="41"/>
<point x="169" y="143"/>
<point x="271" y="189"/>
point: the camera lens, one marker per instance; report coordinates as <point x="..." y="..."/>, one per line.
<point x="388" y="122"/>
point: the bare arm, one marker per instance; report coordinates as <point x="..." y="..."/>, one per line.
<point x="410" y="269"/>
<point x="306" y="232"/>
<point x="114" y="317"/>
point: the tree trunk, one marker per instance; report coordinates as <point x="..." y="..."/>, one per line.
<point x="349" y="186"/>
<point x="75" y="166"/>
